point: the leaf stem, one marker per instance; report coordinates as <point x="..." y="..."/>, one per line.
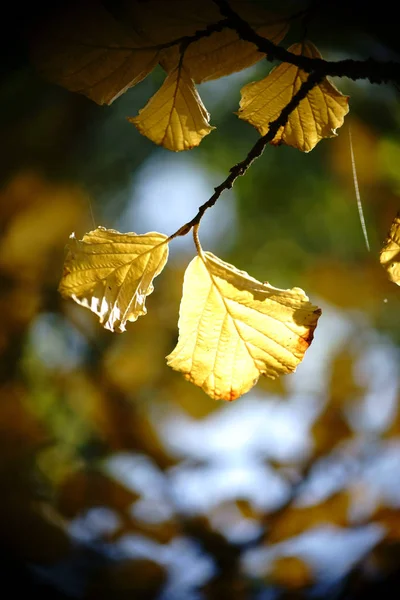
<point x="197" y="239"/>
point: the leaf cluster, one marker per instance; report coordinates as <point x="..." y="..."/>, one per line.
<point x="232" y="327"/>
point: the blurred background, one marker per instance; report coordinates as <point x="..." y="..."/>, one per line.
<point x="120" y="479"/>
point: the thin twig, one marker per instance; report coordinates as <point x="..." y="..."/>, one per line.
<point x="373" y="70"/>
<point x="240" y="168"/>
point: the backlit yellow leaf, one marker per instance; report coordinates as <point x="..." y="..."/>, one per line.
<point x="233" y="328"/>
<point x="390" y="253"/>
<point x="86" y="50"/>
<point x="317" y="116"/>
<point x="111" y="273"/>
<point x="175" y="116"/>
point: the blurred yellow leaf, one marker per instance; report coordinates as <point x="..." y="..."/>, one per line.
<point x="343" y="386"/>
<point x="36" y="216"/>
<point x="387" y="160"/>
<point x="20" y="303"/>
<point x="233" y="328"/>
<point x="329" y="430"/>
<point x="390" y="253"/>
<point x="142" y="348"/>
<point x="175" y="117"/>
<point x="86" y="50"/>
<point x="111" y="273"/>
<point x="85" y="489"/>
<point x="339" y="283"/>
<point x="296" y="519"/>
<point x="366" y="149"/>
<point x="317" y="116"/>
<point x="223" y="52"/>
<point x="290" y="572"/>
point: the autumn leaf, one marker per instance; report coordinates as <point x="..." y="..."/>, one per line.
<point x="317" y="116"/>
<point x="222" y="52"/>
<point x="86" y="50"/>
<point x="175" y="116"/>
<point x="233" y="328"/>
<point x="390" y="254"/>
<point x="111" y="273"/>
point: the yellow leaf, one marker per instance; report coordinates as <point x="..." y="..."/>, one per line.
<point x="86" y="50"/>
<point x="223" y="52"/>
<point x="111" y="273"/>
<point x="317" y="116"/>
<point x="390" y="253"/>
<point x="296" y="519"/>
<point x="175" y="116"/>
<point x="233" y="328"/>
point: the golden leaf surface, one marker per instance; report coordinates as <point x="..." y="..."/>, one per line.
<point x="233" y="328"/>
<point x="316" y="117"/>
<point x="86" y="50"/>
<point x="111" y="273"/>
<point x="175" y="116"/>
<point x="390" y="254"/>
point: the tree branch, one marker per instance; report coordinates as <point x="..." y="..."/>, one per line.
<point x="373" y="70"/>
<point x="241" y="167"/>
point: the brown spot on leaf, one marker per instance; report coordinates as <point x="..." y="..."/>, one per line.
<point x="233" y="395"/>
